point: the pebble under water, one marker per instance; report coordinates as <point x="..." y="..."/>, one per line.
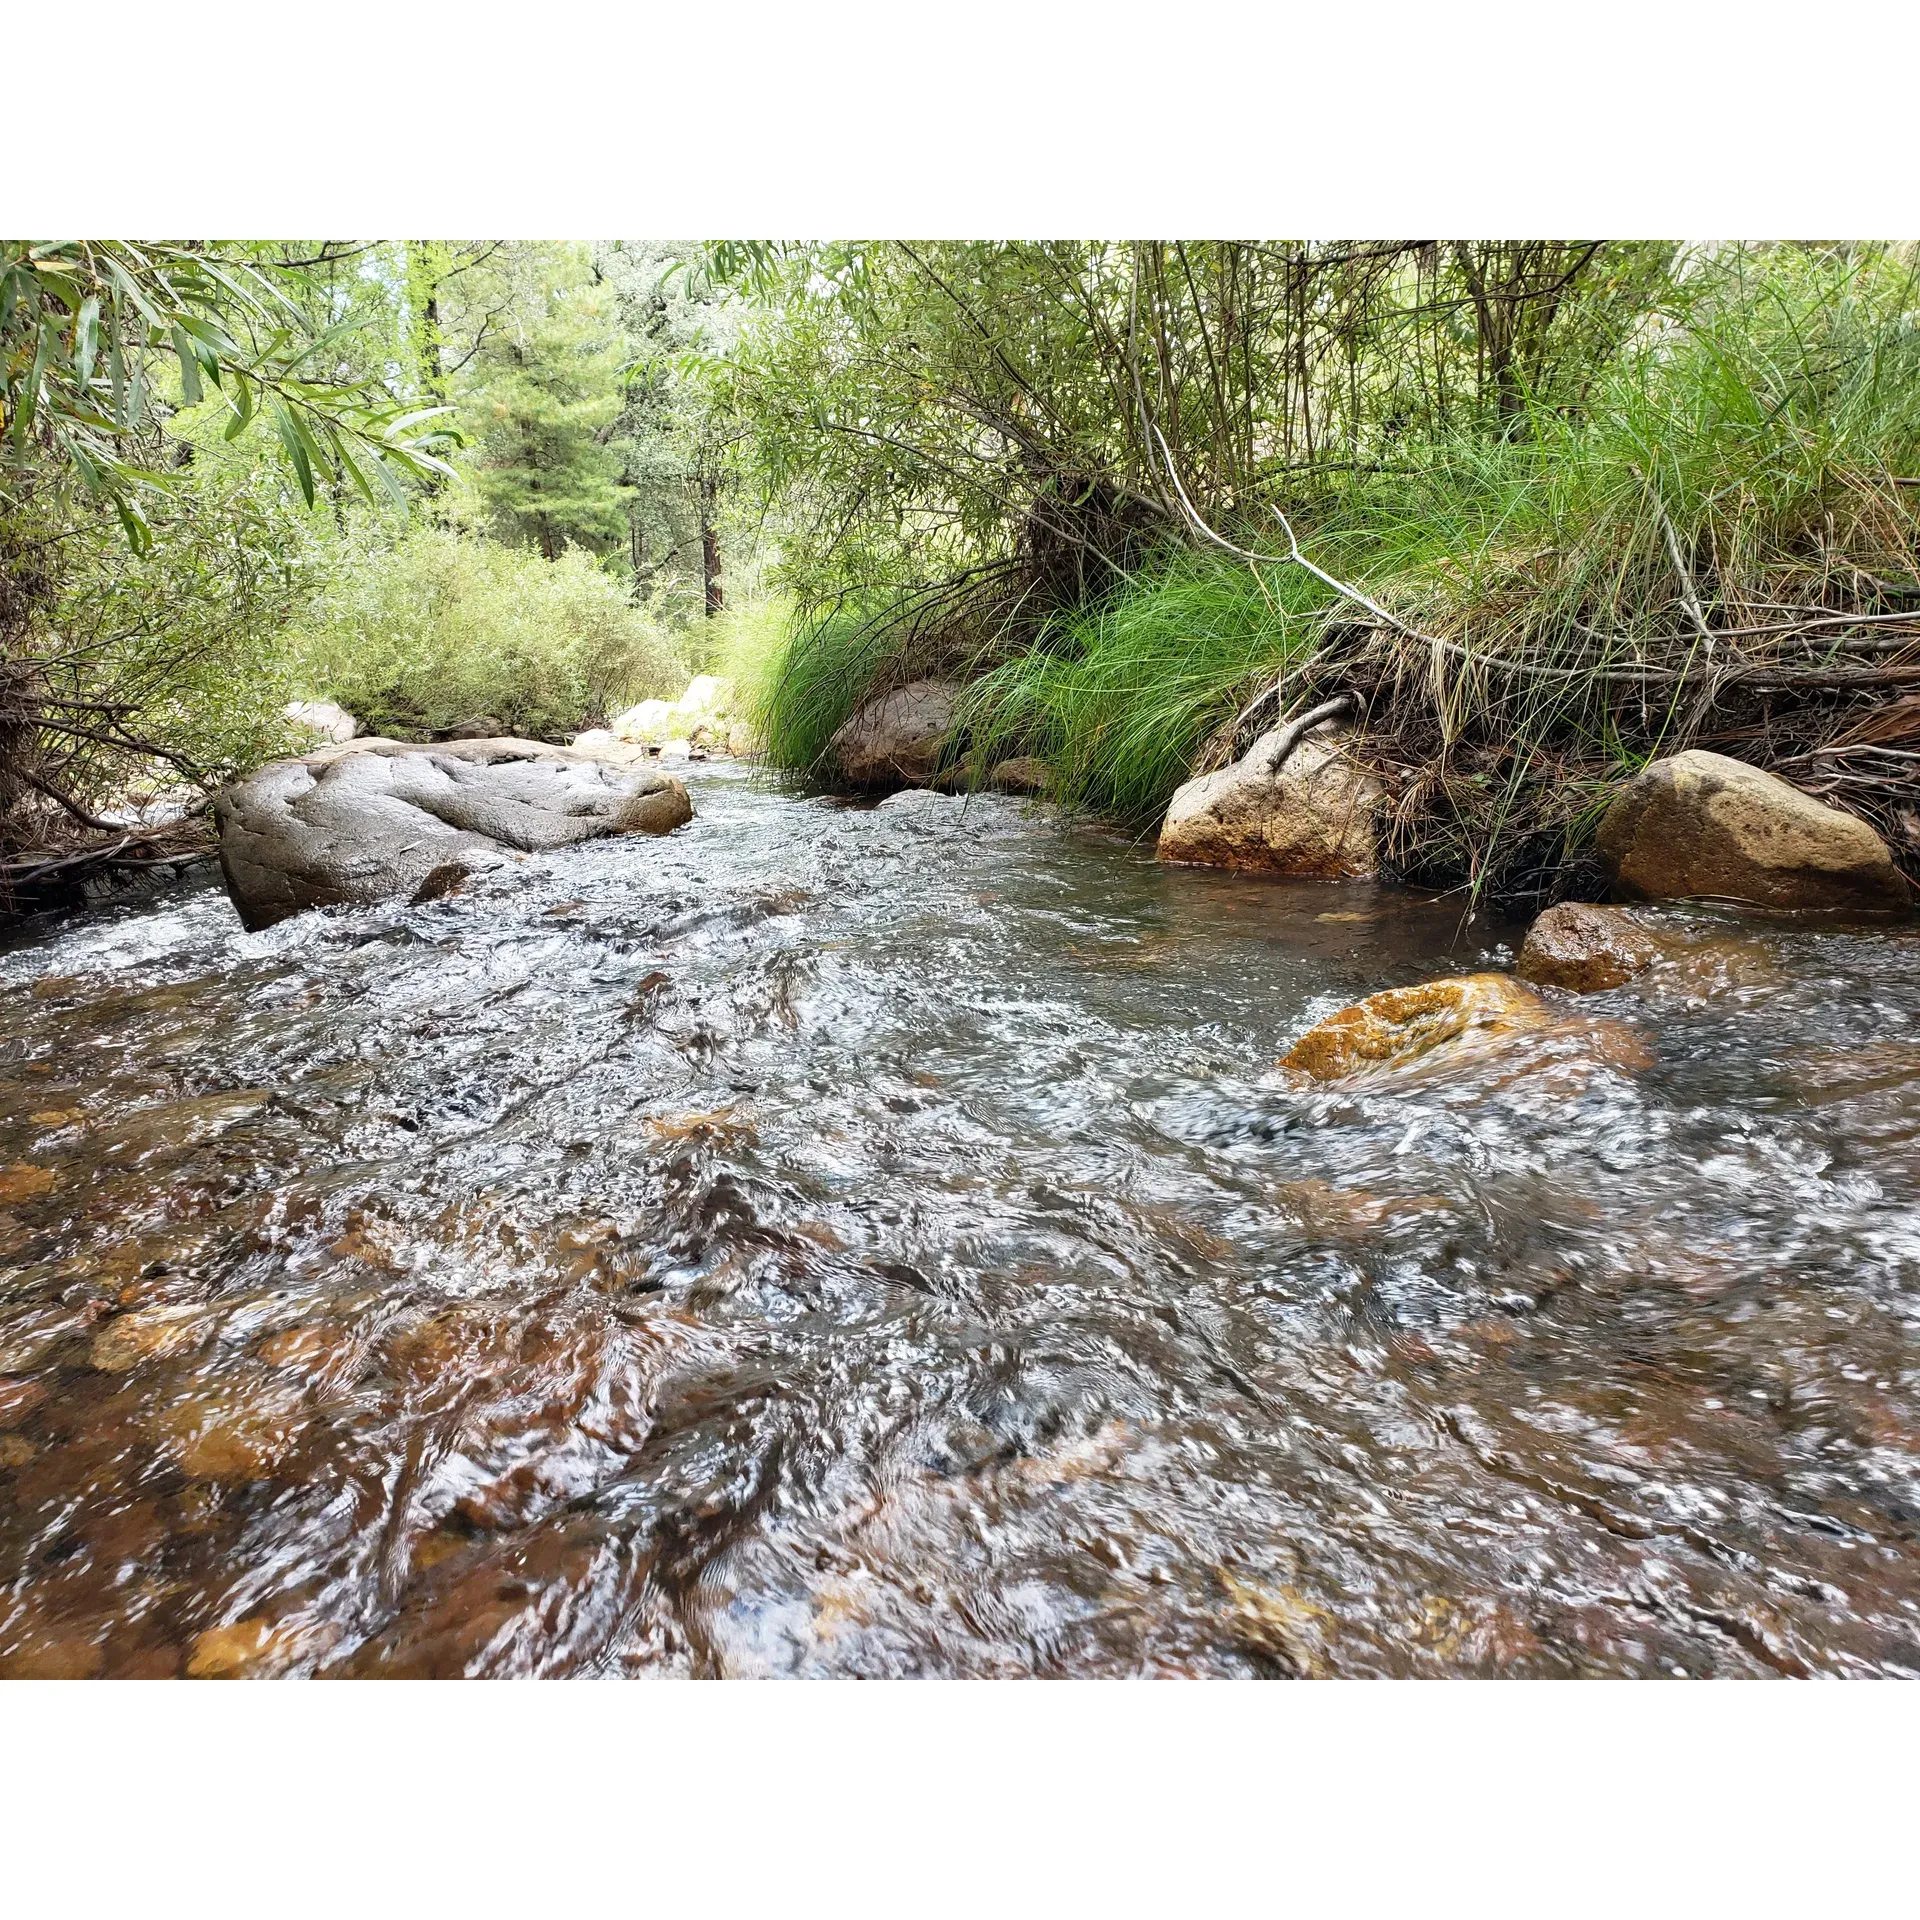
<point x="878" y="1242"/>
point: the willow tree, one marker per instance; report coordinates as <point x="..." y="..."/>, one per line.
<point x="112" y="355"/>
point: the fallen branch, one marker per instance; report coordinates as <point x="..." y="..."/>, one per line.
<point x="1297" y="730"/>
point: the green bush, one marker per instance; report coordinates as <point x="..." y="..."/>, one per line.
<point x="168" y="662"/>
<point x="418" y="634"/>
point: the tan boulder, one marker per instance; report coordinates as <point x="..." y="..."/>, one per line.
<point x="1700" y="826"/>
<point x="1313" y="820"/>
<point x="1585" y="949"/>
<point x="895" y="740"/>
<point x="1405" y="1023"/>
<point x="648" y="723"/>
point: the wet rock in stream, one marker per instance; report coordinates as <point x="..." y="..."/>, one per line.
<point x="374" y="819"/>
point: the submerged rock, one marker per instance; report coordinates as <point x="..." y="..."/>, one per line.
<point x="895" y="741"/>
<point x="1701" y="826"/>
<point x="1586" y="949"/>
<point x="1313" y="820"/>
<point x="374" y="820"/>
<point x="1406" y="1022"/>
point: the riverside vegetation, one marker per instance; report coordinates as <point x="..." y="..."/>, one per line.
<point x="1539" y="512"/>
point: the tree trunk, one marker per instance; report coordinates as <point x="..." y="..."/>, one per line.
<point x="710" y="549"/>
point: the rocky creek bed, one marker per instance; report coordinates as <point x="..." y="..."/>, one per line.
<point x="881" y="1241"/>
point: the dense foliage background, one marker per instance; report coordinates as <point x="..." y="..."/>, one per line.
<point x="1559" y="505"/>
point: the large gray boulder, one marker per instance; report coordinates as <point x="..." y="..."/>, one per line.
<point x="895" y="741"/>
<point x="1314" y="819"/>
<point x="1700" y="826"/>
<point x="377" y="819"/>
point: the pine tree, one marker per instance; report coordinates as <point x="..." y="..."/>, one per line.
<point x="544" y="392"/>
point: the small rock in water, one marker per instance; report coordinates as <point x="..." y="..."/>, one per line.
<point x="921" y="800"/>
<point x="18" y="1398"/>
<point x="247" y="1647"/>
<point x="1585" y="949"/>
<point x="66" y="1659"/>
<point x="24" y="1182"/>
<point x="449" y="877"/>
<point x="1406" y="1022"/>
<point x="134" y="1337"/>
<point x="1313" y="820"/>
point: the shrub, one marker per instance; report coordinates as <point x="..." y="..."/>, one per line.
<point x="418" y="634"/>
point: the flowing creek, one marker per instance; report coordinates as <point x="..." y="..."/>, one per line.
<point x="878" y="1242"/>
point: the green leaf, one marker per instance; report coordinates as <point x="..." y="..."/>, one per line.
<point x="189" y="368"/>
<point x="86" y="339"/>
<point x="133" y="523"/>
<point x="117" y="367"/>
<point x="240" y="398"/>
<point x="130" y="287"/>
<point x="395" y="428"/>
<point x="351" y="467"/>
<point x="284" y="426"/>
<point x="23" y="407"/>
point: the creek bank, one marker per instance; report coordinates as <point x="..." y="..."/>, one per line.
<point x="379" y="819"/>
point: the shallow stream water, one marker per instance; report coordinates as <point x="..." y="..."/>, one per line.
<point x="879" y="1242"/>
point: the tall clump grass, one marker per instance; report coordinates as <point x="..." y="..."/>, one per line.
<point x="1667" y="569"/>
<point x="1118" y="697"/>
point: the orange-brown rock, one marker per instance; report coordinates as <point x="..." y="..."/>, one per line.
<point x="248" y="1647"/>
<point x="123" y="1343"/>
<point x="1405" y="1023"/>
<point x="24" y="1182"/>
<point x="1585" y="949"/>
<point x="62" y="1659"/>
<point x="18" y="1398"/>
